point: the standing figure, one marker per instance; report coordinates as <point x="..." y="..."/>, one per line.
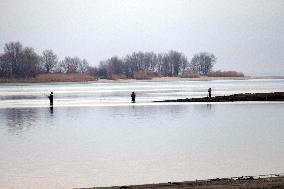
<point x="133" y="95"/>
<point x="209" y="92"/>
<point x="51" y="99"/>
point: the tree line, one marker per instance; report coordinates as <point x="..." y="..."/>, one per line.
<point x="169" y="64"/>
<point x="18" y="61"/>
<point x="23" y="62"/>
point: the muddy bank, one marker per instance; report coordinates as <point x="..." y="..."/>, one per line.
<point x="277" y="96"/>
<point x="223" y="183"/>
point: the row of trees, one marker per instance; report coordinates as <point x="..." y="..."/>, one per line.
<point x="23" y="62"/>
<point x="168" y="64"/>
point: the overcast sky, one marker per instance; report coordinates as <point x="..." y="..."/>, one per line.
<point x="245" y="35"/>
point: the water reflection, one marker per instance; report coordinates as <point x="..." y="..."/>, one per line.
<point x="20" y="119"/>
<point x="163" y="112"/>
<point x="212" y="140"/>
<point x="20" y="97"/>
<point x="208" y="106"/>
<point x="205" y="109"/>
<point x="51" y="110"/>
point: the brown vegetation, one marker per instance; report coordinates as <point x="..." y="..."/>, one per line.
<point x="190" y="75"/>
<point x="116" y="77"/>
<point x="141" y="75"/>
<point x="220" y="73"/>
<point x="52" y="77"/>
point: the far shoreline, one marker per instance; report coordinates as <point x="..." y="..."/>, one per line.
<point x="89" y="79"/>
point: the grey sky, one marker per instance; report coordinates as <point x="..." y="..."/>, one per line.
<point x="245" y="35"/>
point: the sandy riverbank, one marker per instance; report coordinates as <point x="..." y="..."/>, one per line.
<point x="226" y="183"/>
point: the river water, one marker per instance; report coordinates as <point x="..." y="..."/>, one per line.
<point x="94" y="136"/>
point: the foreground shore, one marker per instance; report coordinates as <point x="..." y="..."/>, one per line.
<point x="224" y="183"/>
<point x="277" y="96"/>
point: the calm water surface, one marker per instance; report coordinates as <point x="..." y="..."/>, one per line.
<point x="94" y="137"/>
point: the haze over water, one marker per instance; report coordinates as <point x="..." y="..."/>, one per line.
<point x="94" y="136"/>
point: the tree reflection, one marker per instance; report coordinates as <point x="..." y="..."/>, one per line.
<point x="20" y="119"/>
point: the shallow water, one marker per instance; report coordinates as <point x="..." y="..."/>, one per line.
<point x="111" y="94"/>
<point x="109" y="141"/>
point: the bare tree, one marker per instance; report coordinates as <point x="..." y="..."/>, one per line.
<point x="49" y="61"/>
<point x="5" y="67"/>
<point x="30" y="63"/>
<point x="202" y="63"/>
<point x="178" y="63"/>
<point x="13" y="57"/>
<point x="168" y="64"/>
<point x="22" y="62"/>
<point x="184" y="64"/>
<point x="102" y="70"/>
<point x="70" y="65"/>
<point x="18" y="61"/>
<point x="83" y="66"/>
<point x="166" y="69"/>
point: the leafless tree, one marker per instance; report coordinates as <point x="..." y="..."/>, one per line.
<point x="13" y="56"/>
<point x="30" y="63"/>
<point x="70" y="65"/>
<point x="19" y="62"/>
<point x="115" y="66"/>
<point x="172" y="63"/>
<point x="202" y="63"/>
<point x="49" y="61"/>
<point x="83" y="66"/>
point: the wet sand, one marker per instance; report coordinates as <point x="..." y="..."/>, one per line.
<point x="225" y="183"/>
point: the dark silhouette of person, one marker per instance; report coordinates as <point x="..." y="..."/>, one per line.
<point x="51" y="99"/>
<point x="209" y="92"/>
<point x="133" y="95"/>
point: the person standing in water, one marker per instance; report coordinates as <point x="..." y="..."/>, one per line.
<point x="133" y="95"/>
<point x="51" y="99"/>
<point x="209" y="92"/>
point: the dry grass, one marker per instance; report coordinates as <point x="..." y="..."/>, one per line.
<point x="141" y="75"/>
<point x="190" y="75"/>
<point x="116" y="77"/>
<point x="219" y="73"/>
<point x="54" y="77"/>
